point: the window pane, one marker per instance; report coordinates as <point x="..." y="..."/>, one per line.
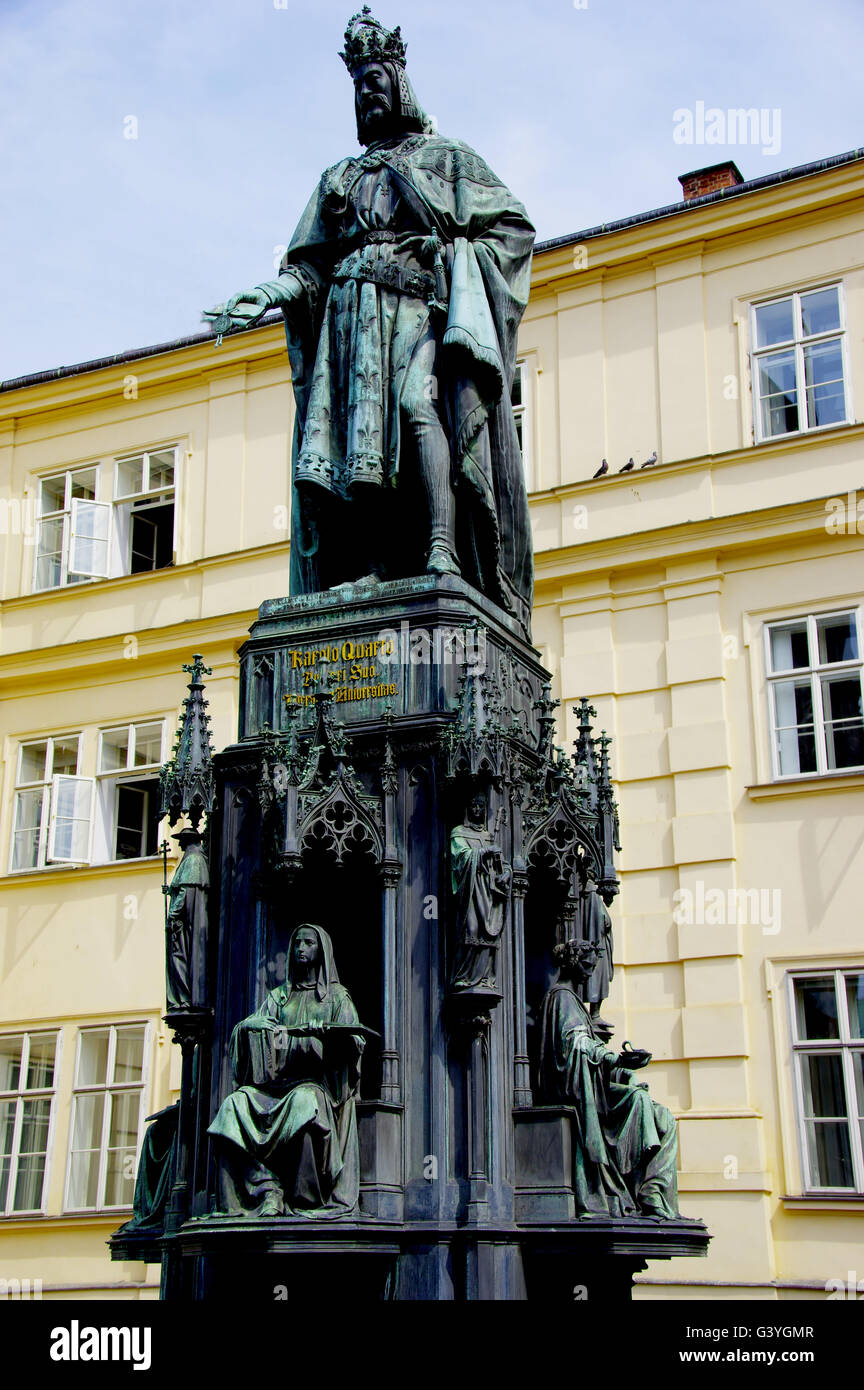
<point x="858" y="1071"/>
<point x="144" y="538"/>
<point x="84" y="484"/>
<point x="162" y="470"/>
<point x="123" y="1128"/>
<point x="793" y="703"/>
<point x="120" y="1178"/>
<point x="65" y="762"/>
<point x="796" y="739"/>
<point x="844" y="725"/>
<point x="71" y="819"/>
<point x="40" y="1067"/>
<point x="775" y="323"/>
<point x="7" y="1133"/>
<point x="25" y="840"/>
<point x="130" y="477"/>
<point x="148" y="745"/>
<point x="52" y="494"/>
<point x="816" y="1012"/>
<point x="516" y="393"/>
<point x="92" y="1057"/>
<point x="823" y="374"/>
<point x="129" y="1058"/>
<point x="31" y="1154"/>
<point x="87" y="1125"/>
<point x="829" y="1152"/>
<point x="841" y="697"/>
<point x="89" y="537"/>
<point x="778" y="394"/>
<point x="131" y="822"/>
<point x="10" y="1062"/>
<point x="115" y="750"/>
<point x="855" y="1004"/>
<point x="838" y="639"/>
<point x="796" y="751"/>
<point x="49" y="554"/>
<point x="31" y="763"/>
<point x="824" y="1092"/>
<point x="28" y="1183"/>
<point x="820" y="311"/>
<point x="789" y="647"/>
<point x="35" y="1115"/>
<point x="84" y="1165"/>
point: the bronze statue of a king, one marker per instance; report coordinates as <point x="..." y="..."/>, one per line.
<point x="402" y="291"/>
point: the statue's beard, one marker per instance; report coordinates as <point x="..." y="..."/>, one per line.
<point x="375" y="122"/>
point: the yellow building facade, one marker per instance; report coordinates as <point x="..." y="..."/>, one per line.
<point x="709" y="604"/>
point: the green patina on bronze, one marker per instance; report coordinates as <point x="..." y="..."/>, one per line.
<point x="402" y="291"/>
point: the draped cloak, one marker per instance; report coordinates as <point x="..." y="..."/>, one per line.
<point x="286" y="1083"/>
<point x="351" y="341"/>
<point x="627" y="1144"/>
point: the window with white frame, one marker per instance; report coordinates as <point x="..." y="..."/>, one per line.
<point x="71" y="536"/>
<point x="814" y="675"/>
<point x="53" y="805"/>
<point x="520" y="400"/>
<point x="827" y="1010"/>
<point x="62" y="817"/>
<point x="107" y="1109"/>
<point x="82" y="535"/>
<point x="127" y="792"/>
<point x="799" y="362"/>
<point x="27" y="1070"/>
<point x="143" y="530"/>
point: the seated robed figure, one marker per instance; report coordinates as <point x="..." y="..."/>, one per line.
<point x="625" y="1162"/>
<point x="289" y="1131"/>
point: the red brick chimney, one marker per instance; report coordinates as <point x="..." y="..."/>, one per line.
<point x="710" y="180"/>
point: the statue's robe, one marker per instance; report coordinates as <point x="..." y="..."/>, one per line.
<point x="626" y="1143"/>
<point x="156" y="1167"/>
<point x="186" y="943"/>
<point x="291" y="1088"/>
<point x="479" y="908"/>
<point x="351" y="341"/>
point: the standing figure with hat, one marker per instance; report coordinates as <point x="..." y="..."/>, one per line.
<point x="186" y="924"/>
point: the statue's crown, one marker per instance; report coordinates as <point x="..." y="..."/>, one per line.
<point x="367" y="41"/>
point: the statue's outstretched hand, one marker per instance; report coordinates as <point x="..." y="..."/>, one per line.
<point x="242" y="310"/>
<point x="633" y="1058"/>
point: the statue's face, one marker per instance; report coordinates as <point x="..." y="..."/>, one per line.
<point x="306" y="947"/>
<point x="477" y="809"/>
<point x="582" y="960"/>
<point x="374" y="99"/>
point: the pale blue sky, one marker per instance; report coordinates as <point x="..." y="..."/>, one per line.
<point x="108" y="243"/>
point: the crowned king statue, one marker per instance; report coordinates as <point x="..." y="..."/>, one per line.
<point x="402" y="292"/>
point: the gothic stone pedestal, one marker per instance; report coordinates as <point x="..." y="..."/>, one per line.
<point x="464" y="1186"/>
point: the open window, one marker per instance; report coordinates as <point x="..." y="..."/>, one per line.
<point x="82" y="535"/>
<point x="144" y="512"/>
<point x="71" y="530"/>
<point x="127" y="824"/>
<point x="53" y="811"/>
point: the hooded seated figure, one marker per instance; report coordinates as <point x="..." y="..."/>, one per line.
<point x="289" y="1132"/>
<point x="627" y="1144"/>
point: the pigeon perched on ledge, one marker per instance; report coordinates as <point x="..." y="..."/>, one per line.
<point x="604" y="468"/>
<point x="628" y="465"/>
<point x="649" y="462"/>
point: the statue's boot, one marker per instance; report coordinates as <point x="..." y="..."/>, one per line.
<point x="442" y="560"/>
